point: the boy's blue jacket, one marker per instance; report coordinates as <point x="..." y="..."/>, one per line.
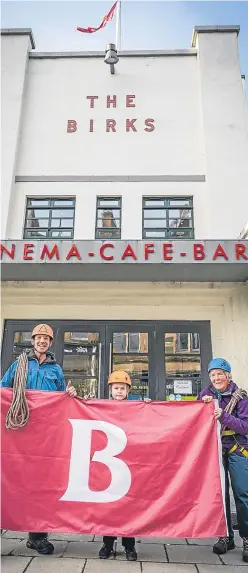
<point x="45" y="376"/>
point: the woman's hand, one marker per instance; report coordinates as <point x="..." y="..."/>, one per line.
<point x="217" y="413"/>
<point x="71" y="390"/>
<point x="147" y="400"/>
<point x="207" y="399"/>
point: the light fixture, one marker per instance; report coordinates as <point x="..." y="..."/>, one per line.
<point x="111" y="57"/>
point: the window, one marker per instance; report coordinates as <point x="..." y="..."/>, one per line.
<point x="168" y="217"/>
<point x="49" y="218"/>
<point x="108" y="218"/>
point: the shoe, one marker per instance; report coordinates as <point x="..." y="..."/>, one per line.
<point x="245" y="549"/>
<point x="131" y="554"/>
<point x="223" y="545"/>
<point x="105" y="552"/>
<point x="42" y="545"/>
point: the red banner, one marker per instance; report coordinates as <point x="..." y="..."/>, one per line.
<point x="114" y="468"/>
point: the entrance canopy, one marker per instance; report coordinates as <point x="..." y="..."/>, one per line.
<point x="184" y="261"/>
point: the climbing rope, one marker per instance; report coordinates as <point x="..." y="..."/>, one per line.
<point x="18" y="413"/>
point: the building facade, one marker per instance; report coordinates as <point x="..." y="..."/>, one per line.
<point x="124" y="196"/>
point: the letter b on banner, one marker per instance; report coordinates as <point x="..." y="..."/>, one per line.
<point x="78" y="485"/>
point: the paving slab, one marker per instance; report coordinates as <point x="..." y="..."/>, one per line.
<point x="190" y="554"/>
<point x="146" y="552"/>
<point x="49" y="565"/>
<point x="204" y="541"/>
<point x="70" y="537"/>
<point x="15" y="534"/>
<point x="8" y="545"/>
<point x="225" y="569"/>
<point x="22" y="549"/>
<point x="14" y="564"/>
<point x="167" y="568"/>
<point x="234" y="557"/>
<point x="93" y="566"/>
<point x="161" y="540"/>
<point x="88" y="550"/>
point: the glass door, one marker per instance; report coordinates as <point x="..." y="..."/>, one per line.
<point x="185" y="350"/>
<point x="130" y="348"/>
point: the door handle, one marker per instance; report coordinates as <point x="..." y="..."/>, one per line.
<point x="99" y="369"/>
<point x="110" y="357"/>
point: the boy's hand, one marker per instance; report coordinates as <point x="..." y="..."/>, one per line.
<point x="147" y="399"/>
<point x="207" y="399"/>
<point x="71" y="390"/>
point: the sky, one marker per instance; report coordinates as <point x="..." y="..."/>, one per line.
<point x="154" y="25"/>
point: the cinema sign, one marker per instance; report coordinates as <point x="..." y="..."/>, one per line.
<point x="180" y="260"/>
<point x="124" y="251"/>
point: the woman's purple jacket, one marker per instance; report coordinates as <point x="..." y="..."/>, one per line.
<point x="237" y="421"/>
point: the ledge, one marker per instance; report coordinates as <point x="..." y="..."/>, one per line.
<point x="212" y="30"/>
<point x="19" y="32"/>
<point x="126" y="54"/>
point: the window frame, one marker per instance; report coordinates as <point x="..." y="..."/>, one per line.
<point x="50" y="207"/>
<point x="167" y="207"/>
<point x="113" y="207"/>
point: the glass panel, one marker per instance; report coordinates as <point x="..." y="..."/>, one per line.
<point x="108" y="234"/>
<point x="179" y="233"/>
<point x="85" y="338"/>
<point x="155" y="234"/>
<point x="102" y="223"/>
<point x="124" y="342"/>
<point x="22" y="341"/>
<point x="108" y="214"/>
<point x="38" y="213"/>
<point x="182" y="365"/>
<point x="180" y="223"/>
<point x="157" y="213"/>
<point x="180" y="213"/>
<point x="182" y="342"/>
<point x="154" y="202"/>
<point x="150" y="223"/>
<point x="37" y="234"/>
<point x="62" y="213"/>
<point x="62" y="223"/>
<point x="65" y="202"/>
<point x="85" y="386"/>
<point x="86" y="364"/>
<point x="31" y="223"/>
<point x="108" y="202"/>
<point x="180" y="201"/>
<point x="62" y="234"/>
<point x="38" y="202"/>
<point x="137" y="368"/>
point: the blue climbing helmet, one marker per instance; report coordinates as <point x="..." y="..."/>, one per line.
<point x="219" y="363"/>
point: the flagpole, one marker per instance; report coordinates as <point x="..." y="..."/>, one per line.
<point x="118" y="26"/>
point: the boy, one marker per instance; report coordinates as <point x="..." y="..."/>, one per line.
<point x="120" y="384"/>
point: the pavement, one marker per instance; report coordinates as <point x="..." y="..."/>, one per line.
<point x="79" y="554"/>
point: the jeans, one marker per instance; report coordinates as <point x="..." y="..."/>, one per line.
<point x="127" y="542"/>
<point x="236" y="467"/>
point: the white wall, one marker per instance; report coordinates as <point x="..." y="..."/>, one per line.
<point x="14" y="57"/>
<point x="225" y="128"/>
<point x="166" y="89"/>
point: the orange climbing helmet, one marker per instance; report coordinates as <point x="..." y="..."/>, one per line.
<point x="43" y="329"/>
<point x="119" y="377"/>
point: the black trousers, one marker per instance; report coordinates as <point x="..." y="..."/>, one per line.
<point x="127" y="542"/>
<point x="35" y="536"/>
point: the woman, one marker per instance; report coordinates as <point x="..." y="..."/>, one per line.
<point x="232" y="412"/>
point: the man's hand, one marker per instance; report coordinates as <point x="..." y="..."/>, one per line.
<point x="207" y="399"/>
<point x="147" y="400"/>
<point x="217" y="413"/>
<point x="71" y="390"/>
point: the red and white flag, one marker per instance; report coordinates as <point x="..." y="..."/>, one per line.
<point x="107" y="18"/>
<point x="112" y="468"/>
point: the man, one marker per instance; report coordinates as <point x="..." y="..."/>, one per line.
<point x="232" y="412"/>
<point x="43" y="374"/>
